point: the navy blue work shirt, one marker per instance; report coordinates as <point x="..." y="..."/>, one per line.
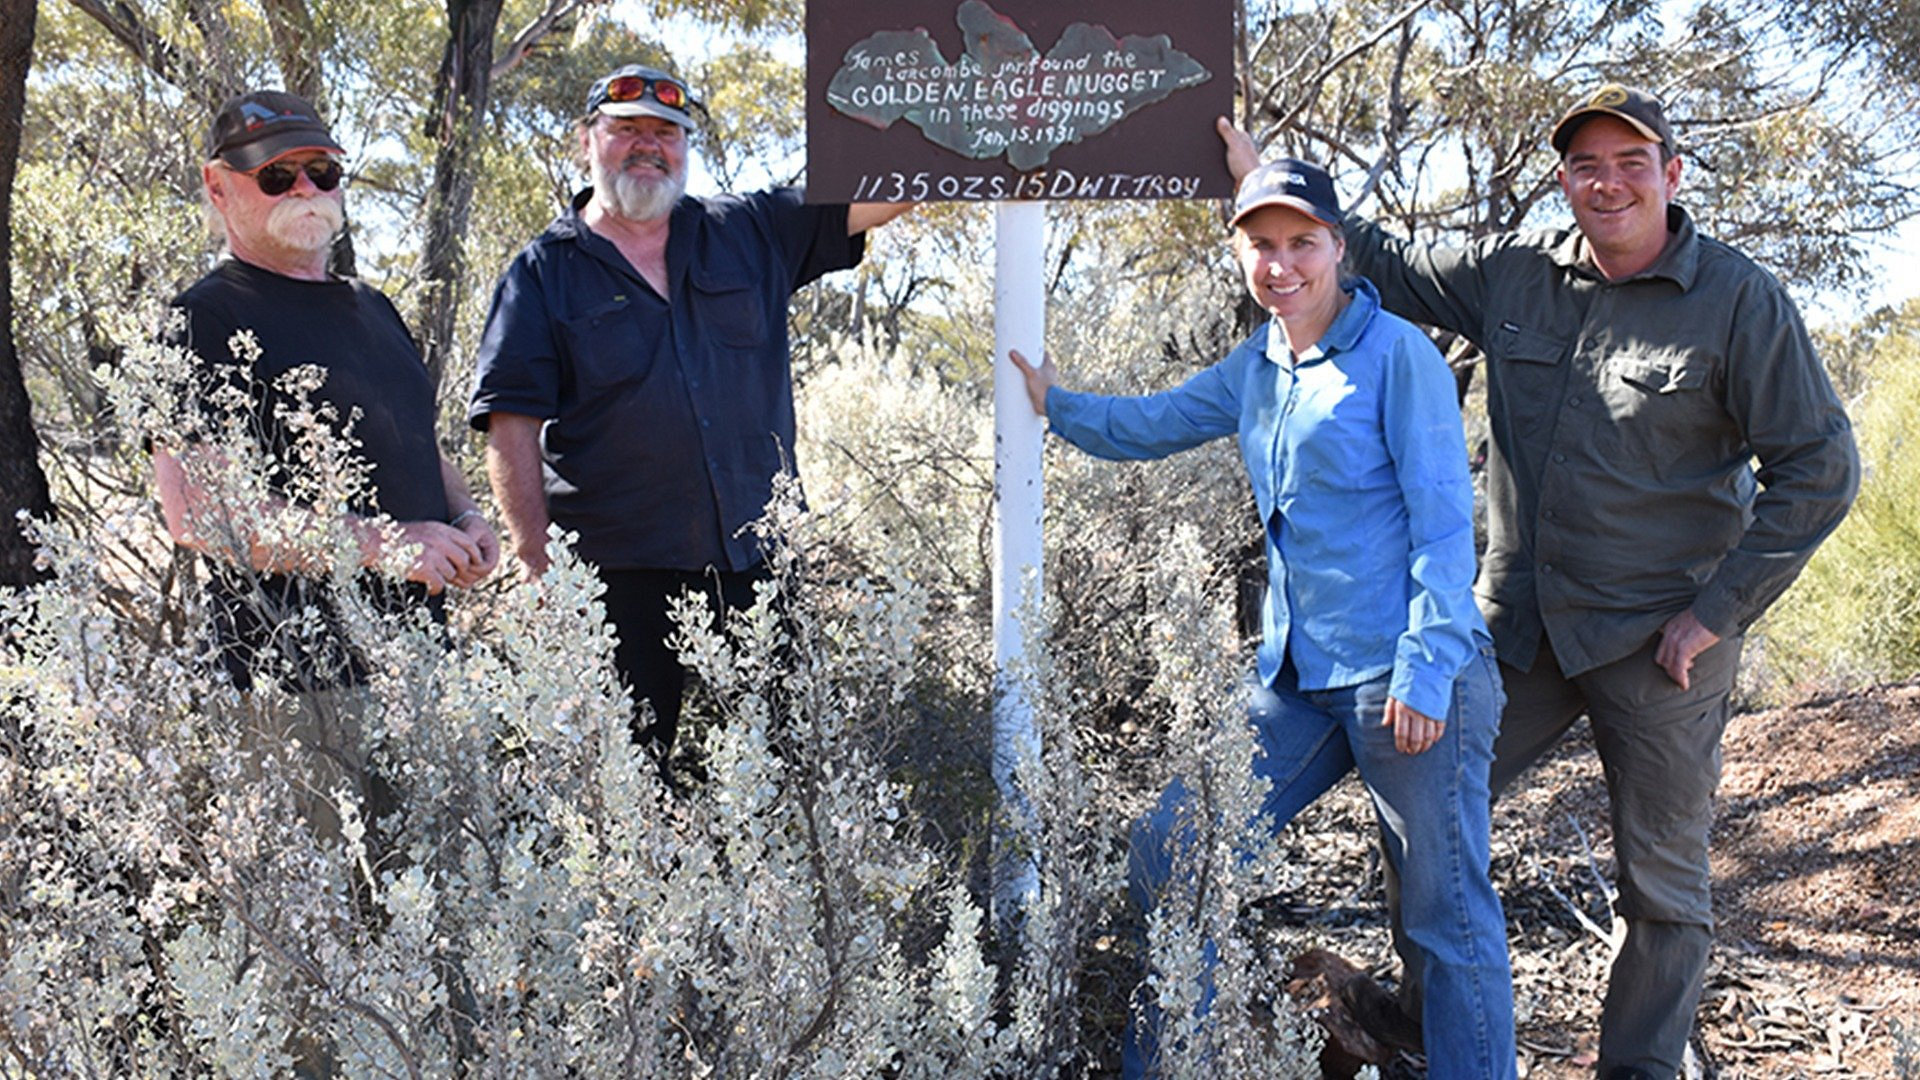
<point x="666" y="417"/>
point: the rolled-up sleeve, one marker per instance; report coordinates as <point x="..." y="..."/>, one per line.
<point x="518" y="366"/>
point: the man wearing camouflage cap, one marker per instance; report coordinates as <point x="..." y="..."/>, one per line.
<point x="1667" y="454"/>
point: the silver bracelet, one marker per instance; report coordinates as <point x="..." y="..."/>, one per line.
<point x="462" y="516"/>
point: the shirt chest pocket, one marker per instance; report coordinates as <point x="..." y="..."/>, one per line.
<point x="608" y="345"/>
<point x="1511" y="341"/>
<point x="1657" y="402"/>
<point x="729" y="307"/>
<point x="1654" y="385"/>
<point x="1659" y="374"/>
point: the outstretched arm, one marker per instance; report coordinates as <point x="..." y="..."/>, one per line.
<point x="1125" y="428"/>
<point x="869" y="215"/>
<point x="1242" y="156"/>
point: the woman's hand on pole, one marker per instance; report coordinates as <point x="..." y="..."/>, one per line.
<point x="1038" y="379"/>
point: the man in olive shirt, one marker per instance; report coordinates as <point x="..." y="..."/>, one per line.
<point x="1668" y="453"/>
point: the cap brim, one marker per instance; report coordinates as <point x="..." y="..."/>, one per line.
<point x="1563" y="131"/>
<point x="647" y="108"/>
<point x="1291" y="202"/>
<point x="251" y="156"/>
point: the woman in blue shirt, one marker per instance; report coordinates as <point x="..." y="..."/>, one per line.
<point x="1373" y="655"/>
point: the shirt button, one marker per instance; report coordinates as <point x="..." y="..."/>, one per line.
<point x="1551" y="515"/>
<point x="1574" y="401"/>
<point x="1546" y="568"/>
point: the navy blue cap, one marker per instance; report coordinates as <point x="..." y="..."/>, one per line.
<point x="1289" y="182"/>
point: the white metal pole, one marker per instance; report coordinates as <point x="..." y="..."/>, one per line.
<point x="1019" y="322"/>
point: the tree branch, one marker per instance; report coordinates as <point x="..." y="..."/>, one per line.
<point x="537" y="29"/>
<point x="290" y="22"/>
<point x="158" y="54"/>
<point x="1339" y="60"/>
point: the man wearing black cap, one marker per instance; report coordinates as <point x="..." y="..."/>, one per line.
<point x="1668" y="453"/>
<point x="272" y="183"/>
<point x="634" y="375"/>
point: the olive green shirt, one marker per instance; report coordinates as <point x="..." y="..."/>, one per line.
<point x="1662" y="442"/>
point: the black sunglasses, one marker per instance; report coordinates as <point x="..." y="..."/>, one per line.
<point x="278" y="179"/>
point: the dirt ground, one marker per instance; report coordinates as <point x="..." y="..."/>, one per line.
<point x="1816" y="968"/>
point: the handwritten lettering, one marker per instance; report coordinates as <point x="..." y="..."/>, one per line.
<point x="1004" y="96"/>
<point x="1039" y="184"/>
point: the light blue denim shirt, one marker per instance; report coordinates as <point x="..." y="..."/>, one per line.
<point x="1359" y="469"/>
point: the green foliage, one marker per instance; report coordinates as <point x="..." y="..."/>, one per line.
<point x="557" y="909"/>
<point x="1799" y="157"/>
<point x="755" y="114"/>
<point x="1854" y="615"/>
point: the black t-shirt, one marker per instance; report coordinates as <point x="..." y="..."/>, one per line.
<point x="377" y="384"/>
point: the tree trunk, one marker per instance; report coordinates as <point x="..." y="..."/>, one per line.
<point x="290" y="24"/>
<point x="466" y="76"/>
<point x="23" y="486"/>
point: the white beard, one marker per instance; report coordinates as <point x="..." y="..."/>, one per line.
<point x="638" y="198"/>
<point x="305" y="224"/>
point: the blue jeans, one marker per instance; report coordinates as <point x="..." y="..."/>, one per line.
<point x="1434" y="812"/>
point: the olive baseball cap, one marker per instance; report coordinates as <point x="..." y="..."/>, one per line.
<point x="1641" y="111"/>
<point x="255" y="128"/>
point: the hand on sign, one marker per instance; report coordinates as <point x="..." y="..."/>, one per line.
<point x="1038" y="379"/>
<point x="1242" y="156"/>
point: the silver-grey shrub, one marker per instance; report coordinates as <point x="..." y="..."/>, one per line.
<point x="540" y="904"/>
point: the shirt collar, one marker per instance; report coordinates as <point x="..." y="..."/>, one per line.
<point x="1347" y="329"/>
<point x="1679" y="263"/>
<point x="571" y="226"/>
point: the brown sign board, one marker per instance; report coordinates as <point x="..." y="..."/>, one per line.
<point x="962" y="100"/>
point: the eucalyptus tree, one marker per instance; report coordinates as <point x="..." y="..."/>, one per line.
<point x="457" y="118"/>
<point x="23" y="486"/>
<point x="1801" y="155"/>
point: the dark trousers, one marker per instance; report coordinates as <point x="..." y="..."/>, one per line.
<point x="1659" y="749"/>
<point x="638" y="602"/>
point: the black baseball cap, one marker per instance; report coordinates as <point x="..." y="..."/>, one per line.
<point x="254" y="129"/>
<point x="1641" y="111"/>
<point x="637" y="90"/>
<point x="1289" y="182"/>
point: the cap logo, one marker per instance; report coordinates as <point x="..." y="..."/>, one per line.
<point x="1609" y="96"/>
<point x="258" y="115"/>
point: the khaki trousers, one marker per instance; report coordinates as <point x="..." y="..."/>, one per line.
<point x="1659" y="749"/>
